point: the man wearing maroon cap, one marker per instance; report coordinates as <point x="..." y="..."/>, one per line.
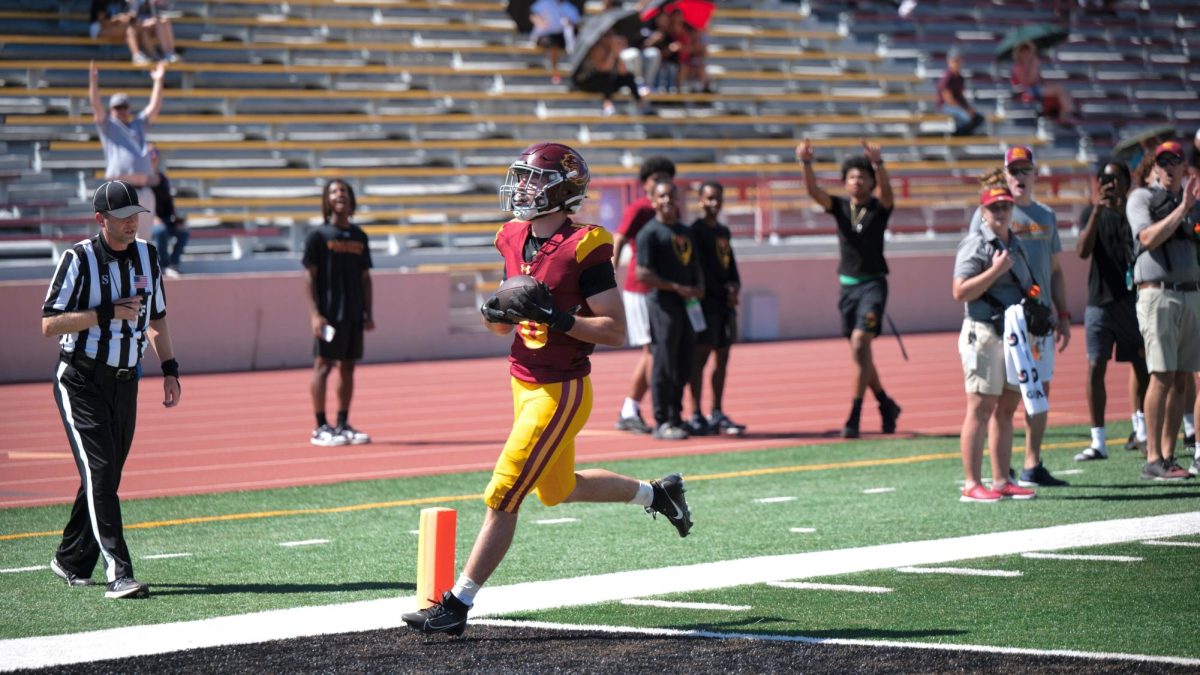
<point x="1037" y="227"/>
<point x="1163" y="216"/>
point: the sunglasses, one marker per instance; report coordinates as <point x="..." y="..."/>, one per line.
<point x="1023" y="171"/>
<point x="1168" y="161"/>
<point x="121" y="107"/>
<point x="999" y="207"/>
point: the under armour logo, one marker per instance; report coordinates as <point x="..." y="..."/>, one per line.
<point x="526" y="268"/>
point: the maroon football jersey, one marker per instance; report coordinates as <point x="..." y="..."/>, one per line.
<point x="538" y="354"/>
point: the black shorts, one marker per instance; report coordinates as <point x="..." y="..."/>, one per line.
<point x="346" y="345"/>
<point x="552" y="40"/>
<point x="862" y="306"/>
<point x="1114" y="324"/>
<point x="721" y="326"/>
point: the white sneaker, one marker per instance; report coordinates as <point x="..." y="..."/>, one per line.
<point x="140" y="59"/>
<point x="906" y="8"/>
<point x="353" y="436"/>
<point x="326" y="437"/>
<point x="171" y="273"/>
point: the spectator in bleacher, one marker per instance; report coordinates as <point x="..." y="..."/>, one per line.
<point x="952" y="97"/>
<point x="643" y="60"/>
<point x="722" y="283"/>
<point x="337" y="258"/>
<point x="640" y="211"/>
<point x="861" y="221"/>
<point x="157" y="33"/>
<point x="123" y="137"/>
<point x="1038" y="227"/>
<point x="604" y="73"/>
<point x="1110" y="319"/>
<point x="693" y="60"/>
<point x="554" y="23"/>
<point x="1167" y="273"/>
<point x="991" y="271"/>
<point x="1054" y="100"/>
<point x="904" y="8"/>
<point x="169" y="226"/>
<point x="113" y="20"/>
<point x="658" y="37"/>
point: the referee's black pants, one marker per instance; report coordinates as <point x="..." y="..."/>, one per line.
<point x="99" y="413"/>
<point x="671" y="344"/>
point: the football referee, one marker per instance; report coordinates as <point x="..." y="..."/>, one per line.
<point x="105" y="300"/>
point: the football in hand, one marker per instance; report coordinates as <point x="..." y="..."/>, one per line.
<point x="515" y="290"/>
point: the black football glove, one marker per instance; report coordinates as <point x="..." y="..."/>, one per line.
<point x="537" y="305"/>
<point x="492" y="312"/>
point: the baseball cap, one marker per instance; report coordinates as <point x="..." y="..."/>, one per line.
<point x="118" y="100"/>
<point x="1018" y="153"/>
<point x="118" y="199"/>
<point x="1169" y="148"/>
<point x="993" y="195"/>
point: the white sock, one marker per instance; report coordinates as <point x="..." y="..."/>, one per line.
<point x="1098" y="438"/>
<point x="1189" y="425"/>
<point x="465" y="590"/>
<point x="631" y="408"/>
<point x="1139" y="426"/>
<point x="644" y="496"/>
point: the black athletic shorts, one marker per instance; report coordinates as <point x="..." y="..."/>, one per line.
<point x="721" y="326"/>
<point x="346" y="345"/>
<point x="1114" y="324"/>
<point x="552" y="40"/>
<point x="862" y="306"/>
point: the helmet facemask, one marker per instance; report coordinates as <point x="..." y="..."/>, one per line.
<point x="527" y="191"/>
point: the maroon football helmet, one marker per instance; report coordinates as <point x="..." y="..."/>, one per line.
<point x="547" y="177"/>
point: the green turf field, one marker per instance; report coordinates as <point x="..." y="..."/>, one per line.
<point x="235" y="563"/>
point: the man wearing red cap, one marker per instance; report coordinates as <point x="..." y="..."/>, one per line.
<point x="1163" y="217"/>
<point x="1037" y="226"/>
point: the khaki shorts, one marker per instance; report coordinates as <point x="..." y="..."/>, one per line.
<point x="982" y="359"/>
<point x="1170" y="323"/>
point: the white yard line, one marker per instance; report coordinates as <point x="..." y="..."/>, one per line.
<point x="941" y="646"/>
<point x="51" y="650"/>
<point x="25" y="569"/>
<point x="963" y="571"/>
<point x="667" y="604"/>
<point x="878" y="491"/>
<point x="812" y="586"/>
<point x="306" y="542"/>
<point x="1077" y="556"/>
<point x="1158" y="542"/>
<point x="164" y="556"/>
<point x="774" y="500"/>
<point x="803" y="530"/>
<point x="556" y="521"/>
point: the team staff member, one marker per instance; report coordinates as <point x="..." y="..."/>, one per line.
<point x="667" y="263"/>
<point x="550" y="367"/>
<point x="722" y="283"/>
<point x="862" y="270"/>
<point x="106" y="299"/>
<point x="337" y="257"/>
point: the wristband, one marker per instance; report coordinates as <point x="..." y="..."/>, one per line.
<point x="1064" y="315"/>
<point x="105" y="313"/>
<point x="170" y="368"/>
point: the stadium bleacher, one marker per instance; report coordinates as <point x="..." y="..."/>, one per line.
<point x="422" y="104"/>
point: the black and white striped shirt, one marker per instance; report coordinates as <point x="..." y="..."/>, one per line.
<point x="89" y="275"/>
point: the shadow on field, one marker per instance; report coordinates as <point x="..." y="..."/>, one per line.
<point x="747" y="625"/>
<point x="1162" y="496"/>
<point x="278" y="589"/>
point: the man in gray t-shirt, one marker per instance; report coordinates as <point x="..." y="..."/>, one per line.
<point x="1037" y="227"/>
<point x="123" y="138"/>
<point x="1167" y="275"/>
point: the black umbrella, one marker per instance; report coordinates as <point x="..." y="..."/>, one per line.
<point x="624" y="21"/>
<point x="1129" y="144"/>
<point x="1041" y="35"/>
<point x="518" y="10"/>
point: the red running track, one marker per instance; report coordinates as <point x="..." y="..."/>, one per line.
<point x="248" y="431"/>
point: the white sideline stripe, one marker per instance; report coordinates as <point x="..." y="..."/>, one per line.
<point x="1069" y="472"/>
<point x="414" y="532"/>
<point x="282" y="624"/>
<point x="556" y="521"/>
<point x="668" y="604"/>
<point x="964" y="571"/>
<point x="811" y="586"/>
<point x="1077" y="556"/>
<point x="25" y="569"/>
<point x="306" y="542"/>
<point x="774" y="500"/>
<point x="877" y="491"/>
<point x="947" y="647"/>
<point x="802" y="530"/>
<point x="1159" y="542"/>
<point x="164" y="556"/>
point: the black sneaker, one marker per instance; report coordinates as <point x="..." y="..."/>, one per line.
<point x="889" y="411"/>
<point x="448" y="616"/>
<point x="633" y="424"/>
<point x="669" y="432"/>
<point x="1189" y="441"/>
<point x="724" y="425"/>
<point x="326" y="436"/>
<point x="850" y="431"/>
<point x="353" y="436"/>
<point x="70" y="578"/>
<point x="126" y="588"/>
<point x="1038" y="476"/>
<point x="1133" y="445"/>
<point x="698" y="426"/>
<point x="669" y="501"/>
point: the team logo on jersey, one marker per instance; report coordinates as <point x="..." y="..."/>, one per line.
<point x="683" y="248"/>
<point x="526" y="268"/>
<point x="724" y="254"/>
<point x="534" y="335"/>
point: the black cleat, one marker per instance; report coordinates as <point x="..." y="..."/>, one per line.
<point x="850" y="431"/>
<point x="669" y="501"/>
<point x="889" y="411"/>
<point x="448" y="616"/>
<point x="698" y="426"/>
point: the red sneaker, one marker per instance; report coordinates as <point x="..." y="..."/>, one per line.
<point x="980" y="494"/>
<point x="1013" y="491"/>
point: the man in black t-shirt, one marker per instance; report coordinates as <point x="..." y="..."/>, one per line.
<point x="666" y="262"/>
<point x="862" y="271"/>
<point x="337" y="257"/>
<point x="1110" y="319"/>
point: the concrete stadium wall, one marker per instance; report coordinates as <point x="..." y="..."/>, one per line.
<point x="260" y="322"/>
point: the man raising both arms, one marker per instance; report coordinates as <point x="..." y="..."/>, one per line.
<point x="557" y="327"/>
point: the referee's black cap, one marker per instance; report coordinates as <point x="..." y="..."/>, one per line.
<point x="118" y="199"/>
